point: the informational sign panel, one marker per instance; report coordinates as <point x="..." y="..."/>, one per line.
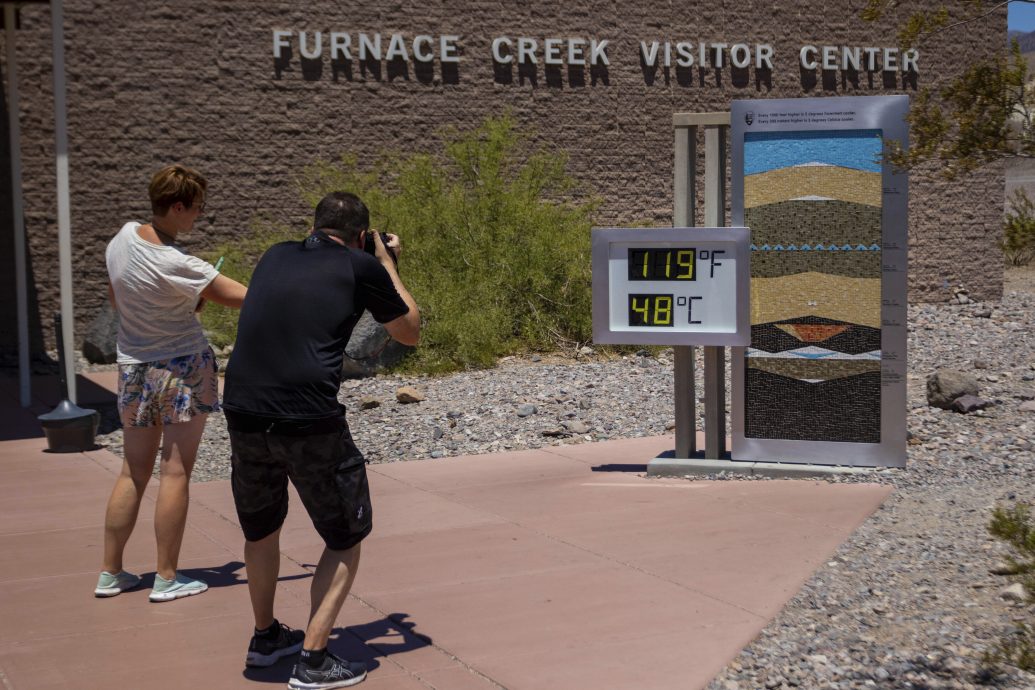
<point x="823" y="379"/>
<point x="678" y="286"/>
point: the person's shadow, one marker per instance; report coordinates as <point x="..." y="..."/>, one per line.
<point x="365" y="642"/>
<point x="225" y="575"/>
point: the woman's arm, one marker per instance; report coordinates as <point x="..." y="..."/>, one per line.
<point x="225" y="291"/>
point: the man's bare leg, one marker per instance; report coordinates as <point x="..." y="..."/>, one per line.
<point x="262" y="560"/>
<point x="331" y="584"/>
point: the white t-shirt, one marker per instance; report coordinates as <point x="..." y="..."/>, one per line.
<point x="157" y="288"/>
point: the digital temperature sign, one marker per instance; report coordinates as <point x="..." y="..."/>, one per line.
<point x="672" y="286"/>
<point x="662" y="264"/>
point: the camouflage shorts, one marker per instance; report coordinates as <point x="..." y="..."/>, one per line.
<point x="320" y="459"/>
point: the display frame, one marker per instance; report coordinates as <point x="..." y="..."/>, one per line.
<point x="885" y="113"/>
<point x="734" y="241"/>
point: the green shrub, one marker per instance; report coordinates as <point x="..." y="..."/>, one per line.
<point x="1018" y="243"/>
<point x="495" y="251"/>
<point x="1016" y="526"/>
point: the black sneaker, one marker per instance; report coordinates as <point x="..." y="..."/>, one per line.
<point x="335" y="673"/>
<point x="265" y="652"/>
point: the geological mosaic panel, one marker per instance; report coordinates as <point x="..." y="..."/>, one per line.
<point x="813" y="203"/>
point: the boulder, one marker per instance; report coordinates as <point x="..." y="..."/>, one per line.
<point x="945" y="385"/>
<point x="965" y="404"/>
<point x="408" y="394"/>
<point x="101" y="335"/>
<point x="371" y="349"/>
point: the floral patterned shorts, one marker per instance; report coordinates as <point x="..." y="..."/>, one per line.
<point x="170" y="391"/>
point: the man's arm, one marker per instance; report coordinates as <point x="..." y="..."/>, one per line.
<point x="406" y="328"/>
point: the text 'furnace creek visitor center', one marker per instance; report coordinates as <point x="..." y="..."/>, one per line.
<point x="250" y="93"/>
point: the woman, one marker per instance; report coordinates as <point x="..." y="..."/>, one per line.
<point x="167" y="375"/>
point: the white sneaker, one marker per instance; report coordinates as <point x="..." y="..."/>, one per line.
<point x="181" y="586"/>
<point x="109" y="585"/>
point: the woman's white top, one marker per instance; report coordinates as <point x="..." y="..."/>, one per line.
<point x="157" y="288"/>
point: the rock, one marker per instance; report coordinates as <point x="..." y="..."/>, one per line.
<point x="981" y="364"/>
<point x="559" y="431"/>
<point x="945" y="385"/>
<point x="369" y="402"/>
<point x="576" y="426"/>
<point x="983" y="313"/>
<point x="437" y="453"/>
<point x="1004" y="568"/>
<point x="1027" y="406"/>
<point x="101" y="334"/>
<point x="1014" y="592"/>
<point x="965" y="404"/>
<point x="586" y="350"/>
<point x="370" y="349"/>
<point x="526" y="410"/>
<point x="408" y="394"/>
<point x="454" y="414"/>
<point x="437" y="433"/>
<point x="536" y="358"/>
<point x="585" y="404"/>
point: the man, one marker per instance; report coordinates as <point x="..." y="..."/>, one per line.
<point x="285" y="421"/>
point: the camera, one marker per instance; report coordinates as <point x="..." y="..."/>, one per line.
<point x="369" y="246"/>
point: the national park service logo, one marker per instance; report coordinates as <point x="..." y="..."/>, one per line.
<point x="749" y="118"/>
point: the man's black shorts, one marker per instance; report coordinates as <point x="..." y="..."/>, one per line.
<point x="322" y="462"/>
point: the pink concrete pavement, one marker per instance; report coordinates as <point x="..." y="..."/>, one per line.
<point x="555" y="568"/>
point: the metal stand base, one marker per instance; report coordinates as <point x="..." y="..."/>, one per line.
<point x="667" y="465"/>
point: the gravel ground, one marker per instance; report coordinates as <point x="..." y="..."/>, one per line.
<point x="907" y="602"/>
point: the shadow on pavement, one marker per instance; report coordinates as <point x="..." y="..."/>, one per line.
<point x="226" y="575"/>
<point x="618" y="467"/>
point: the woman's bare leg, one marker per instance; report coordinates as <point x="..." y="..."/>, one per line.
<point x="140" y="446"/>
<point x="179" y="451"/>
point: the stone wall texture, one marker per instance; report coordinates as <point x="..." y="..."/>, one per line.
<point x="195" y="81"/>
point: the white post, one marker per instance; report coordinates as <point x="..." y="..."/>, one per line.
<point x="714" y="357"/>
<point x="64" y="213"/>
<point x="17" y="209"/>
<point x="683" y="202"/>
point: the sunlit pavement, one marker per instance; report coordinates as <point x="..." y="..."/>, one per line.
<point x="555" y="568"/>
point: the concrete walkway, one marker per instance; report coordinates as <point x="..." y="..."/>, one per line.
<point x="557" y="568"/>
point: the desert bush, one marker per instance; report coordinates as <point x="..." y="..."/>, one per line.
<point x="1018" y="243"/>
<point x="495" y="250"/>
<point x="1015" y="526"/>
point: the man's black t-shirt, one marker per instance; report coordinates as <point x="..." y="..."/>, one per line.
<point x="303" y="301"/>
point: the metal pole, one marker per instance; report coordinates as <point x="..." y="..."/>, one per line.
<point x="18" y="209"/>
<point x="683" y="202"/>
<point x="714" y="357"/>
<point x="64" y="214"/>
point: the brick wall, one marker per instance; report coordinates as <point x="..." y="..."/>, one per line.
<point x="196" y="81"/>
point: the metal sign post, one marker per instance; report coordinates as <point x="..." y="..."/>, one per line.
<point x="684" y="202"/>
